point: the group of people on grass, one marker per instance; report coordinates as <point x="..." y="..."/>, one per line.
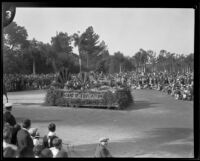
<point x="18" y="82"/>
<point x="178" y="85"/>
<point x="24" y="141"/>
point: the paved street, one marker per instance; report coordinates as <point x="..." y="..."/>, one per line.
<point x="156" y="125"/>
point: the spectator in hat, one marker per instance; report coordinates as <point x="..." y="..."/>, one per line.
<point x="8" y="117"/>
<point x="47" y="139"/>
<point x="101" y="150"/>
<point x="57" y="145"/>
<point x="46" y="153"/>
<point x="9" y="150"/>
<point x="24" y="140"/>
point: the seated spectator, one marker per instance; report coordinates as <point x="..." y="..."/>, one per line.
<point x="47" y="139"/>
<point x="37" y="150"/>
<point x="46" y="153"/>
<point x="9" y="150"/>
<point x="57" y="145"/>
<point x="101" y="150"/>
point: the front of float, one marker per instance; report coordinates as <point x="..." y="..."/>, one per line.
<point x="98" y="95"/>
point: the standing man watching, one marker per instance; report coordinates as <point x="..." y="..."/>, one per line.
<point x="7" y="116"/>
<point x="101" y="150"/>
<point x="24" y="140"/>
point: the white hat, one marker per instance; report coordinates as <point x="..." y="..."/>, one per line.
<point x="8" y="104"/>
<point x="103" y="139"/>
<point x="33" y="131"/>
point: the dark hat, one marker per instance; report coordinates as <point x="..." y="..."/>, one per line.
<point x="57" y="141"/>
<point x="52" y="127"/>
<point x="26" y="123"/>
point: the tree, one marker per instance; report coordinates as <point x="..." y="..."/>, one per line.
<point x="128" y="64"/>
<point x="162" y="60"/>
<point x="144" y="59"/>
<point x="59" y="51"/>
<point x="15" y="37"/>
<point x="14" y="44"/>
<point x="141" y="58"/>
<point x="137" y="60"/>
<point x="88" y="44"/>
<point x="34" y="51"/>
<point x="120" y="60"/>
<point x="152" y="58"/>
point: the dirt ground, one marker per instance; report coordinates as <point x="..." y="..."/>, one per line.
<point x="155" y="126"/>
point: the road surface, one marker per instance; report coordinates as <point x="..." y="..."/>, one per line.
<point x="156" y="125"/>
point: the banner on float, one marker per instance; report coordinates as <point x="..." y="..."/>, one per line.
<point x="85" y="95"/>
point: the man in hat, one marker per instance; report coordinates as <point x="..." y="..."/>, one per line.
<point x="8" y="117"/>
<point x="101" y="150"/>
<point x="24" y="140"/>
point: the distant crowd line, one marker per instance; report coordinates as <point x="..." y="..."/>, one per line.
<point x="178" y="85"/>
<point x="18" y="82"/>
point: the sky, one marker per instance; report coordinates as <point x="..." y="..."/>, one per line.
<point x="123" y="29"/>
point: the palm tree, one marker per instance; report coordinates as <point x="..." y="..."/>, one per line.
<point x="152" y="58"/>
<point x="34" y="50"/>
<point x="88" y="44"/>
<point x="189" y="61"/>
<point x="51" y="56"/>
<point x="144" y="59"/>
<point x="78" y="43"/>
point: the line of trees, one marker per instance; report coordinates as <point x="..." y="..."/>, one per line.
<point x="24" y="56"/>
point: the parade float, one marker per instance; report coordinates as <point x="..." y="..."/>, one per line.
<point x="87" y="93"/>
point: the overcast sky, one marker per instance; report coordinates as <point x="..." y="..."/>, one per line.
<point x="123" y="29"/>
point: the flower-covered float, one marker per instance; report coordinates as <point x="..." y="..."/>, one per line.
<point x="84" y="90"/>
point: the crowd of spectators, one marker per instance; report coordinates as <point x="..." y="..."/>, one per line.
<point x="24" y="141"/>
<point x="178" y="85"/>
<point x="18" y="82"/>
